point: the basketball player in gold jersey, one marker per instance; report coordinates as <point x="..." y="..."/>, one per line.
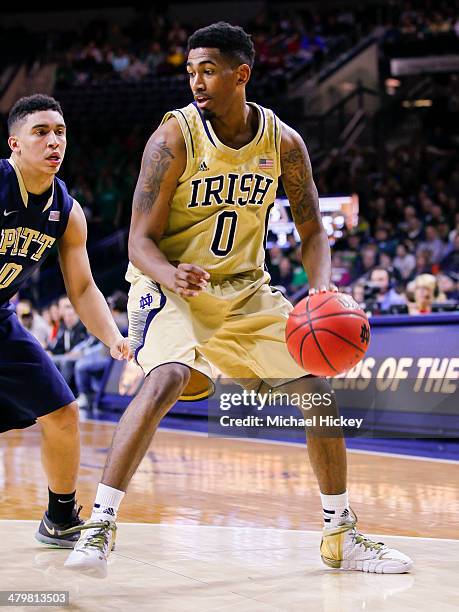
<point x="199" y="293"/>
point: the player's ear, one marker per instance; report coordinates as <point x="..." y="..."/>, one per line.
<point x="243" y="74"/>
<point x="13" y="143"/>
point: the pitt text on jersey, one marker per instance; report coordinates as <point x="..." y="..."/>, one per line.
<point x="230" y="189"/>
<point x="21" y="242"/>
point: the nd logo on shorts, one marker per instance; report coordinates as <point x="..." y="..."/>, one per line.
<point x="145" y="301"/>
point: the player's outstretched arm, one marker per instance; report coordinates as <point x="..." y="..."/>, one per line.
<point x="304" y="203"/>
<point x="86" y="298"/>
<point x="163" y="162"/>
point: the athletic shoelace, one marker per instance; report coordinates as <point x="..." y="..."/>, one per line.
<point x="359" y="538"/>
<point x="362" y="540"/>
<point x="99" y="538"/>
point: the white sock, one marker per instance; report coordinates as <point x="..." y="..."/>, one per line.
<point x="335" y="508"/>
<point x="107" y="502"/>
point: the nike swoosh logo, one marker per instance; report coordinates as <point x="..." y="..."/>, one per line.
<point x="11" y="212"/>
<point x="66" y="501"/>
<point x="50" y="531"/>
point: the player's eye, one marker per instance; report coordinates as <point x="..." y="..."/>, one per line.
<point x="208" y="71"/>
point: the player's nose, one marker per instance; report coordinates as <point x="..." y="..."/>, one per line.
<point x="52" y="140"/>
<point x="198" y="85"/>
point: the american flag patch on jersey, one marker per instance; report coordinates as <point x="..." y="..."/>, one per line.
<point x="265" y="163"/>
<point x="54" y="215"/>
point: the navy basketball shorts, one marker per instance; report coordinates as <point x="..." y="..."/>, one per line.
<point x="30" y="384"/>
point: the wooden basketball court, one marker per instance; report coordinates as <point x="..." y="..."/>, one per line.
<point x="219" y="524"/>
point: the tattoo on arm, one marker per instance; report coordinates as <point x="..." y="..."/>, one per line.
<point x="299" y="186"/>
<point x="157" y="158"/>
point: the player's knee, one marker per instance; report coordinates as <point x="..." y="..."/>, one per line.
<point x="165" y="385"/>
<point x="65" y="419"/>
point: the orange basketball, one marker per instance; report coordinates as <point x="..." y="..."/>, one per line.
<point x="327" y="333"/>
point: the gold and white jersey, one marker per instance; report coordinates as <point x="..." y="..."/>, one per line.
<point x="219" y="213"/>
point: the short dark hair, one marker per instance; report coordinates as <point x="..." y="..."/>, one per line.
<point x="230" y="40"/>
<point x="31" y="104"/>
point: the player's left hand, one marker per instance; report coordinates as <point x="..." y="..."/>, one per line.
<point x="121" y="350"/>
<point x="323" y="289"/>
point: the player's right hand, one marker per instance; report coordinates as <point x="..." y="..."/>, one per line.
<point x="189" y="280"/>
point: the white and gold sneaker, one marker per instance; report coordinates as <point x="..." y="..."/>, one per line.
<point x="90" y="553"/>
<point x="343" y="547"/>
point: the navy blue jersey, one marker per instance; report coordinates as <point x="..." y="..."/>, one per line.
<point x="29" y="224"/>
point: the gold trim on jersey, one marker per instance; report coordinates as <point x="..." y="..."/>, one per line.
<point x="23" y="188"/>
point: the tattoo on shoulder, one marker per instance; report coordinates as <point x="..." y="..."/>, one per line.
<point x="157" y="159"/>
<point x="299" y="186"/>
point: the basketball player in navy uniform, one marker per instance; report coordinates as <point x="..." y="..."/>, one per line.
<point x="36" y="212"/>
<point x="199" y="292"/>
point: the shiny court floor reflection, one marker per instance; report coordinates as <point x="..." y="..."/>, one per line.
<point x="197" y="568"/>
<point x="196" y="480"/>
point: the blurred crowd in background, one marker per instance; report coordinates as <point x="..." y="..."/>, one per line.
<point x="284" y="43"/>
<point x="408" y="218"/>
<point x="402" y="257"/>
<point x="286" y="40"/>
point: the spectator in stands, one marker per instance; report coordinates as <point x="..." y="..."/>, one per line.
<point x="365" y="261"/>
<point x="423" y="264"/>
<point x="177" y="35"/>
<point x="444" y="230"/>
<point x="449" y="286"/>
<point x="454" y="232"/>
<point x="354" y="241"/>
<point x="414" y="229"/>
<point x="72" y="332"/>
<point x="450" y="263"/>
<point x="404" y="261"/>
<point x="95" y="357"/>
<point x="155" y="58"/>
<point x="120" y="60"/>
<point x="340" y="272"/>
<point x="175" y="58"/>
<point x="386" y="244"/>
<point x="358" y="293"/>
<point x="432" y="243"/>
<point x="386" y="296"/>
<point x="425" y="290"/>
<point x="136" y="69"/>
<point x="52" y="318"/>
<point x="385" y="261"/>
<point x="408" y="214"/>
<point x="292" y="245"/>
<point x="33" y="322"/>
<point x="285" y="276"/>
<point x="274" y="257"/>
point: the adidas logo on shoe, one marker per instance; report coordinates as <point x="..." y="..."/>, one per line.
<point x="109" y="511"/>
<point x="203" y="167"/>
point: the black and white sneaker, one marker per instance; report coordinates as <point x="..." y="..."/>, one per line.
<point x="51" y="534"/>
